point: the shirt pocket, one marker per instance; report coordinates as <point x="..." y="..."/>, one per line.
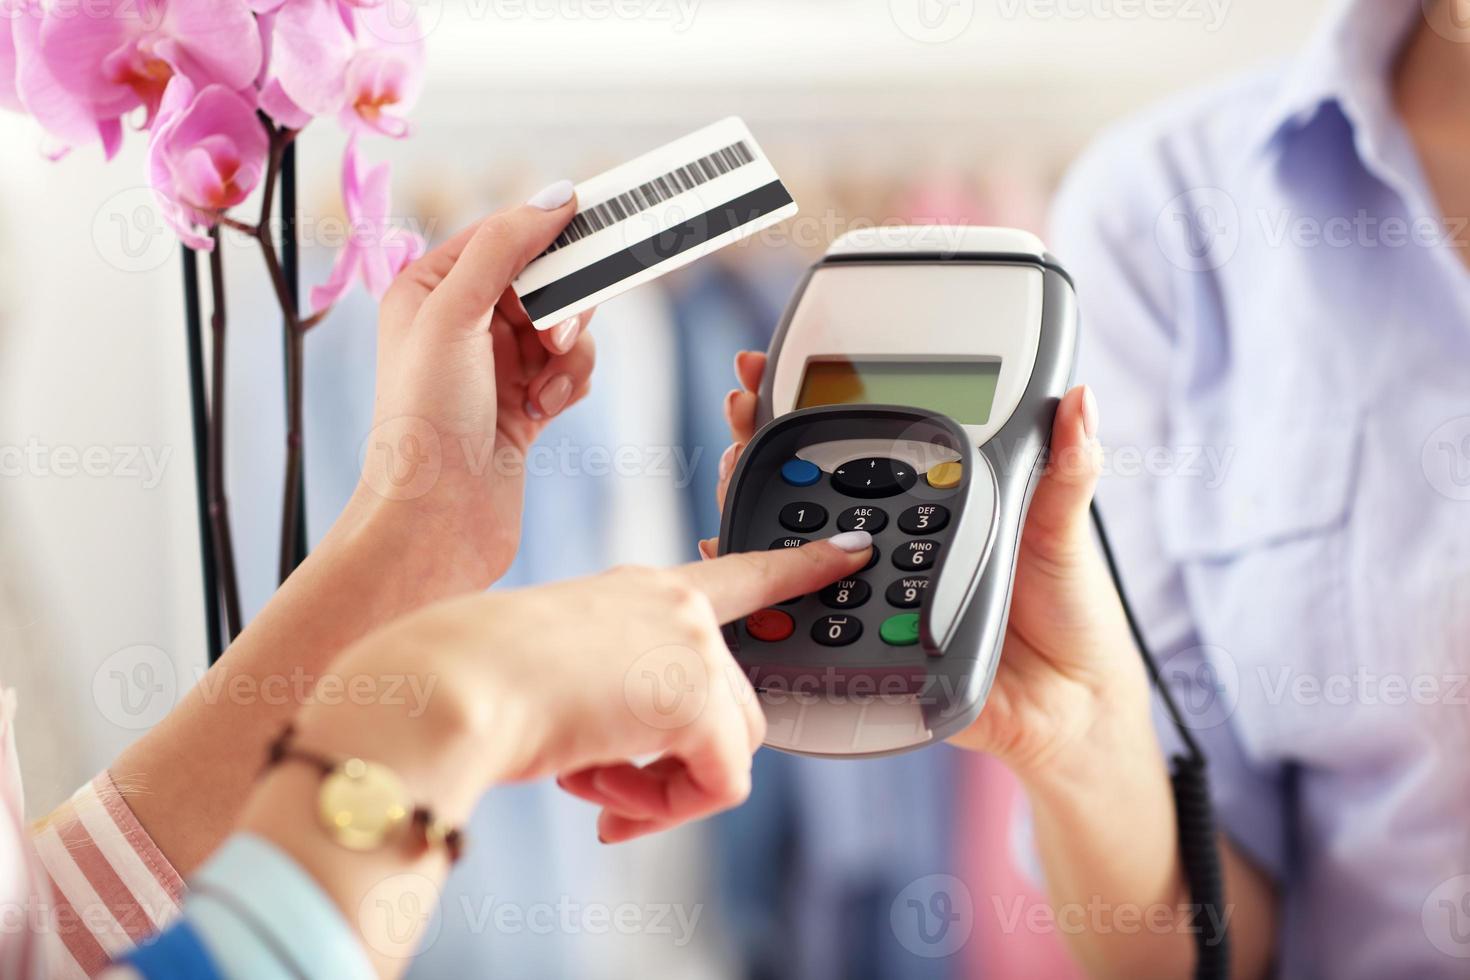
<point x="1262" y="541"/>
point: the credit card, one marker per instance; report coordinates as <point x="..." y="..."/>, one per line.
<point x="652" y="215"/>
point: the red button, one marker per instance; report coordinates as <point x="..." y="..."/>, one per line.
<point x="770" y="625"/>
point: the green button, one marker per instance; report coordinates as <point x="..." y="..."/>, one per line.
<point x="901" y="630"/>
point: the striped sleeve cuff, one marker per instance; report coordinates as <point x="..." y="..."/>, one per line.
<point x="111" y="884"/>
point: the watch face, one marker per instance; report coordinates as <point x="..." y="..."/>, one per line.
<point x="361" y="804"/>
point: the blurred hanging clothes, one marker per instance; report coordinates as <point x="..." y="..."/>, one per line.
<point x="811" y="865"/>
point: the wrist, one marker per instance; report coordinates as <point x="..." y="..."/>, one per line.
<point x="425" y="544"/>
<point x="1119" y="738"/>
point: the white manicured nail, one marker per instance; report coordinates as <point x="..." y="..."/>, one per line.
<point x="564" y="334"/>
<point x="552" y="196"/>
<point x="851" y="541"/>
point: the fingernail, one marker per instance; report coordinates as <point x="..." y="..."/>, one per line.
<point x="851" y="541"/>
<point x="1089" y="413"/>
<point x="730" y="399"/>
<point x="727" y="461"/>
<point x="555" y="393"/>
<point x="564" y="334"/>
<point x="552" y="196"/>
<point x="532" y="412"/>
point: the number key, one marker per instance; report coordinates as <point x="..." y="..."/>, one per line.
<point x="921" y="519"/>
<point x="870" y="519"/>
<point x="846" y="593"/>
<point x="916" y="556"/>
<point x="837" y="631"/>
<point x="907" y="592"/>
<point x="803" y="516"/>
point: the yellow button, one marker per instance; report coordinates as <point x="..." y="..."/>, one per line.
<point x="942" y="476"/>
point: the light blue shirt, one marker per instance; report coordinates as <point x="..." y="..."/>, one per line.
<point x="252" y="913"/>
<point x="1279" y="339"/>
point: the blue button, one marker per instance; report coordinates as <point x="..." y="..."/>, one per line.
<point x="800" y="473"/>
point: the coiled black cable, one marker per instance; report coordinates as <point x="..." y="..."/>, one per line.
<point x="1199" y="850"/>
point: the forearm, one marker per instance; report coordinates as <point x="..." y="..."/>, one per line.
<point x="190" y="775"/>
<point x="1106" y="833"/>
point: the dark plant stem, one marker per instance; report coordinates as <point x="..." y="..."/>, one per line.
<point x="294" y="354"/>
<point x="199" y="417"/>
<point x="295" y="331"/>
<point x="219" y="508"/>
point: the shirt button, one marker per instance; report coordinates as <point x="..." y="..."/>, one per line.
<point x="800" y="472"/>
<point x="769" y="625"/>
<point x="944" y="476"/>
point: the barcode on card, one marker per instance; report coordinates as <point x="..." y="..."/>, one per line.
<point x="654" y="192"/>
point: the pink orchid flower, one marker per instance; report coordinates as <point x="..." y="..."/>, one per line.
<point x="375" y="251"/>
<point x="64" y="116"/>
<point x="207" y="153"/>
<point x="364" y="62"/>
<point x="9" y="96"/>
<point x="116" y="55"/>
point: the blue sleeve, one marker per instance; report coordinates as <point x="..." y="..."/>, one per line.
<point x="252" y="912"/>
<point x="174" y="953"/>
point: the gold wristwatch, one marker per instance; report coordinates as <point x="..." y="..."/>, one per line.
<point x="364" y="805"/>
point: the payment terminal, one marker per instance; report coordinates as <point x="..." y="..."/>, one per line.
<point x="909" y="392"/>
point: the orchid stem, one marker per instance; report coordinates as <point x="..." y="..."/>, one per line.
<point x="219" y="510"/>
<point x="290" y="546"/>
